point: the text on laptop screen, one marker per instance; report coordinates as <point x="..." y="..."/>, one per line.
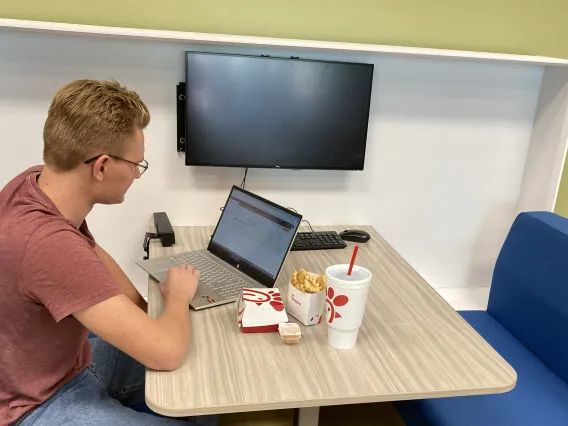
<point x="255" y="231"/>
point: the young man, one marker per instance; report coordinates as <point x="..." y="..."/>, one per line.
<point x="57" y="283"/>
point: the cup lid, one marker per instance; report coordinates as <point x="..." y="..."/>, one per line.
<point x="339" y="273"/>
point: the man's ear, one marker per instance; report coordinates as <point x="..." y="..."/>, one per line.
<point x="99" y="167"/>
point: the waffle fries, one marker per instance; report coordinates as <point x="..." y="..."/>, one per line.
<point x="307" y="282"/>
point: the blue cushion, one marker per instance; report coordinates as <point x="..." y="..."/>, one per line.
<point x="540" y="397"/>
<point x="529" y="291"/>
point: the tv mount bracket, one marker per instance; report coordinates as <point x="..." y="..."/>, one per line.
<point x="180" y="111"/>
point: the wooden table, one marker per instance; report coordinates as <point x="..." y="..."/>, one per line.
<point x="412" y="345"/>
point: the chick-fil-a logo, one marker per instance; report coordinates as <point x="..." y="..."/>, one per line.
<point x="259" y="297"/>
<point x="334" y="301"/>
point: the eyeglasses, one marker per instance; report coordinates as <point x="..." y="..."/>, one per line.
<point x="142" y="167"/>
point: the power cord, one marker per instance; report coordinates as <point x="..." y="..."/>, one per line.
<point x="303" y="220"/>
<point x="146" y="245"/>
<point x="242" y="185"/>
<point x="244" y="181"/>
<point x="309" y="224"/>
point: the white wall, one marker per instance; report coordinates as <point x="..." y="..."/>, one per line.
<point x="549" y="143"/>
<point x="446" y="150"/>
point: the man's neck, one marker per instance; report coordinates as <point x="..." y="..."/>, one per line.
<point x="66" y="190"/>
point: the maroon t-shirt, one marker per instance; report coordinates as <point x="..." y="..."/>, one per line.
<point x="48" y="270"/>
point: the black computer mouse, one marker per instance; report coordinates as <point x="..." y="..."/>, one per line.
<point x="355" y="235"/>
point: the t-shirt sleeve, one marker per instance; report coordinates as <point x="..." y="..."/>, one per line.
<point x="61" y="271"/>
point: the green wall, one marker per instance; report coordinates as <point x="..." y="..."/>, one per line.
<point x="508" y="26"/>
<point x="505" y="26"/>
<point x="562" y="200"/>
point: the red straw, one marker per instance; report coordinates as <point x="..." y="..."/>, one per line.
<point x="355" y="250"/>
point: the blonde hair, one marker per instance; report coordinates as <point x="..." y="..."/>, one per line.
<point x="90" y="117"/>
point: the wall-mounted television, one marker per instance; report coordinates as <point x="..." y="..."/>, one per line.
<point x="272" y="112"/>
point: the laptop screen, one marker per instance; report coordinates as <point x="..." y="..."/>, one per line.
<point x="255" y="233"/>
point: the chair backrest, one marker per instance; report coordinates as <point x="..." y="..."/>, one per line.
<point x="529" y="291"/>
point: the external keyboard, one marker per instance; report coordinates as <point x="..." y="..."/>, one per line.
<point x="212" y="275"/>
<point x="317" y="241"/>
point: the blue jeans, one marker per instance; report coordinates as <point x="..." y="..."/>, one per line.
<point x="101" y="395"/>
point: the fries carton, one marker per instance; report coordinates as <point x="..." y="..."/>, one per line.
<point x="260" y="310"/>
<point x="306" y="297"/>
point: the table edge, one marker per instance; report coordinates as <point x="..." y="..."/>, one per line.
<point x="320" y="402"/>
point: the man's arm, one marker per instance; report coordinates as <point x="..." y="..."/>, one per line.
<point x="159" y="343"/>
<point x="81" y="285"/>
<point x="124" y="284"/>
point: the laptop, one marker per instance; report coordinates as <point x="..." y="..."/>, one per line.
<point x="247" y="249"/>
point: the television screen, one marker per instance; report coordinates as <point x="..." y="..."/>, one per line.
<point x="270" y="112"/>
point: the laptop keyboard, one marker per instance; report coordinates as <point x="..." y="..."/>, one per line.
<point x="212" y="275"/>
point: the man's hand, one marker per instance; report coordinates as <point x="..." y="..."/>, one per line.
<point x="181" y="283"/>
